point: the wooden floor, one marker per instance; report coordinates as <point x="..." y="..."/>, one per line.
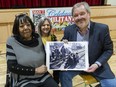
<point x="76" y="81"/>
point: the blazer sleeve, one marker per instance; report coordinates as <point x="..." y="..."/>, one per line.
<point x="107" y="45"/>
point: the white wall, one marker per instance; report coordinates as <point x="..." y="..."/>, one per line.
<point x="112" y="2"/>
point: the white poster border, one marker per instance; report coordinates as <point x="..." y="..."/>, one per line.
<point x="59" y="62"/>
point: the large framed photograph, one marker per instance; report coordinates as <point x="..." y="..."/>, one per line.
<point x="67" y="56"/>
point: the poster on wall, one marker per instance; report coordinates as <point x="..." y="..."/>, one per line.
<point x="36" y="15"/>
<point x="63" y="56"/>
<point x="60" y="17"/>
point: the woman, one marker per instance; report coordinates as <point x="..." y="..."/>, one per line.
<point x="44" y="28"/>
<point x="26" y="55"/>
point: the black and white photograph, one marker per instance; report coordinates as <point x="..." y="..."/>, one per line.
<point x="67" y="56"/>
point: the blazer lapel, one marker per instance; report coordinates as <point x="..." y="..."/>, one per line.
<point x="75" y="33"/>
<point x="91" y="36"/>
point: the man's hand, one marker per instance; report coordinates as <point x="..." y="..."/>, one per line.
<point x="92" y="68"/>
<point x="65" y="41"/>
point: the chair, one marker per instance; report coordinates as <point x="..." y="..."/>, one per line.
<point x="89" y="79"/>
<point x="9" y="79"/>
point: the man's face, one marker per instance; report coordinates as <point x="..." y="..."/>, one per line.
<point x="81" y="17"/>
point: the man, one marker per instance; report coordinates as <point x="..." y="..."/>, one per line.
<point x="100" y="46"/>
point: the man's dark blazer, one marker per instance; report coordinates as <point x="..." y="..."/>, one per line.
<point x="100" y="46"/>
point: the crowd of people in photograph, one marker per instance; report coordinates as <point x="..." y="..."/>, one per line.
<point x="63" y="58"/>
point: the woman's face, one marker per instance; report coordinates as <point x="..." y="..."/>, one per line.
<point x="25" y="30"/>
<point x="45" y="28"/>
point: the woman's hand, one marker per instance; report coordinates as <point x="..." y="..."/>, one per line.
<point x="41" y="70"/>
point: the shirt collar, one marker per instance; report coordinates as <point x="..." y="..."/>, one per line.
<point x="88" y="26"/>
<point x="87" y="31"/>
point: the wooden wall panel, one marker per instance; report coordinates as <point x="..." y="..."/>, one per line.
<point x="8" y="15"/>
<point x="113" y="34"/>
<point x="110" y="21"/>
<point x="4" y="32"/>
<point x="103" y="11"/>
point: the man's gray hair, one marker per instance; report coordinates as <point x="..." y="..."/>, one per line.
<point x="85" y="4"/>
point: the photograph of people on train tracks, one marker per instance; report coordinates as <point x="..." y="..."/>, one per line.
<point x="67" y="56"/>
